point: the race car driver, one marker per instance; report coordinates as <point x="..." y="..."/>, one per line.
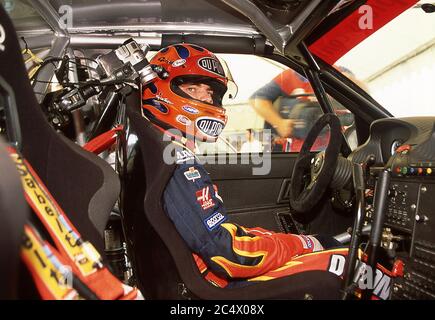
<point x="189" y="99"/>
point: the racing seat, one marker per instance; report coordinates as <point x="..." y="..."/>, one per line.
<point x="84" y="185"/>
<point x="13" y="215"/>
<point x="163" y="264"/>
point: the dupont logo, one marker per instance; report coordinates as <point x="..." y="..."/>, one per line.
<point x="214" y="220"/>
<point x="211" y="65"/>
<point x="377" y="280"/>
<point x="2" y="38"/>
<point x="210" y="126"/>
<point x="204" y="199"/>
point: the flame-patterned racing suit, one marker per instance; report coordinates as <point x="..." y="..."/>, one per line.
<point x="226" y="251"/>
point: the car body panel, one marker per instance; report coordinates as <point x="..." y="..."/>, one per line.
<point x="346" y="35"/>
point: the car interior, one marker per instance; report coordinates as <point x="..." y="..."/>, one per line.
<point x="369" y="186"/>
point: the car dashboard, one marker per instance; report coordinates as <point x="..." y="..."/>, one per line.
<point x="405" y="147"/>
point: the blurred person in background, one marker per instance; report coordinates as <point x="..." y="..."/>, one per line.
<point x="276" y="102"/>
<point x="251" y="144"/>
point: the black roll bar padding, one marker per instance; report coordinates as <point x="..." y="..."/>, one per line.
<point x="380" y="205"/>
<point x="313" y="72"/>
<point x="359" y="174"/>
<point x="221" y="44"/>
<point x="359" y="185"/>
<point x="313" y="76"/>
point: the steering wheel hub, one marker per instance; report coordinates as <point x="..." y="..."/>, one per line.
<point x="317" y="163"/>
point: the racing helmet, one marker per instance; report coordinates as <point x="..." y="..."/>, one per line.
<point x="166" y="105"/>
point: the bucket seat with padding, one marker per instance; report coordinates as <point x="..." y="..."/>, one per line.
<point x="13" y="215"/>
<point x="84" y="185"/>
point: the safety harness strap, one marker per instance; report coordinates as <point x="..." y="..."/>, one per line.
<point x="70" y="249"/>
<point x="47" y="268"/>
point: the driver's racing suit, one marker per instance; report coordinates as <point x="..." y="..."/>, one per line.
<point x="224" y="250"/>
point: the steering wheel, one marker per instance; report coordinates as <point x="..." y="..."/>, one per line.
<point x="306" y="193"/>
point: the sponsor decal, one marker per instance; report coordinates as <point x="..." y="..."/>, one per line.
<point x="192" y="174"/>
<point x="2" y="38"/>
<point x="54" y="219"/>
<point x="211" y="65"/>
<point x="210" y="126"/>
<point x="183" y="120"/>
<point x="306" y="242"/>
<point x="380" y="283"/>
<point x="179" y="63"/>
<point x="214" y="220"/>
<point x="204" y="198"/>
<point x="190" y="109"/>
<point x="163" y="59"/>
<point x="165" y="100"/>
<point x="336" y="264"/>
<point x="184" y="156"/>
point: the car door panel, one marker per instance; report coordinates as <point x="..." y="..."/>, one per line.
<point x="253" y="200"/>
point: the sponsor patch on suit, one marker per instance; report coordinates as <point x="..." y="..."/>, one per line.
<point x="192" y="174"/>
<point x="214" y="220"/>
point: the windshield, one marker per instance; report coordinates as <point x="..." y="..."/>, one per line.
<point x="397" y="62"/>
